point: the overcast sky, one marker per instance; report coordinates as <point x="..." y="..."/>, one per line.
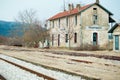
<point x="46" y="8"/>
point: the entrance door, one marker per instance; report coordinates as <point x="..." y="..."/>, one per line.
<point x="95" y="38"/>
<point x="116" y="42"/>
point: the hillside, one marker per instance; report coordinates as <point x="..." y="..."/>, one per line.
<point x="7" y="28"/>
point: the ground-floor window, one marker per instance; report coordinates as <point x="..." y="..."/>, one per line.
<point x="58" y="39"/>
<point x="66" y="38"/>
<point x="116" y="42"/>
<point x="75" y="38"/>
<point x="52" y="39"/>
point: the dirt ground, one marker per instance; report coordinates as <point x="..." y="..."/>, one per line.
<point x="104" y="65"/>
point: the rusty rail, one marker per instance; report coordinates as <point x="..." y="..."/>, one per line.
<point x="29" y="70"/>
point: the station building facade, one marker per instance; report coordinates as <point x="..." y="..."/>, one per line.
<point x="81" y="26"/>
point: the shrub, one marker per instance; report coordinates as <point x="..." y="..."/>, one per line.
<point x="87" y="47"/>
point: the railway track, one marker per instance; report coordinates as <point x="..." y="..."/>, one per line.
<point x="109" y="57"/>
<point x="27" y="69"/>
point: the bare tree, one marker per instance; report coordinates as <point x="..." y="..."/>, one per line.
<point x="32" y="28"/>
<point x="67" y="28"/>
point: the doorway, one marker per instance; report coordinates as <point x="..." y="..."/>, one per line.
<point x="95" y="38"/>
<point x="116" y="42"/>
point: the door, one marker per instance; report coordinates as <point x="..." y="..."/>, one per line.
<point x="95" y="38"/>
<point x="116" y="42"/>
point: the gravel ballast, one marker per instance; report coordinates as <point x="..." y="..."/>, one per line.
<point x="15" y="73"/>
<point x="11" y="72"/>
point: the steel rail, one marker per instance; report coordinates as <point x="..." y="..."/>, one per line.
<point x="29" y="70"/>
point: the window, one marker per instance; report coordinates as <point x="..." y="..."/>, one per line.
<point x="75" y="38"/>
<point x="59" y="23"/>
<point x="75" y="19"/>
<point x="67" y="21"/>
<point x="95" y="19"/>
<point x="66" y="38"/>
<point x="95" y="10"/>
<point x="52" y="39"/>
<point x="53" y="24"/>
<point x="58" y="39"/>
<point x="110" y="36"/>
<point x="95" y="38"/>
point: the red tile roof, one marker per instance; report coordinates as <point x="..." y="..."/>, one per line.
<point x="67" y="13"/>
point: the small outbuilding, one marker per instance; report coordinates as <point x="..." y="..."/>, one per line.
<point x="115" y="30"/>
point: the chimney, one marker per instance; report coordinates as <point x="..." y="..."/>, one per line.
<point x="78" y="6"/>
<point x="97" y="1"/>
<point x="70" y="6"/>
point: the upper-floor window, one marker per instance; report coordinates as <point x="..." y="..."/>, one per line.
<point x="53" y="23"/>
<point x="75" y="19"/>
<point x="95" y="19"/>
<point x="95" y="10"/>
<point x="59" y="23"/>
<point x="66" y="21"/>
<point x="110" y="36"/>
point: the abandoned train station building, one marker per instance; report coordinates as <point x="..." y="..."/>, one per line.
<point x="80" y="26"/>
